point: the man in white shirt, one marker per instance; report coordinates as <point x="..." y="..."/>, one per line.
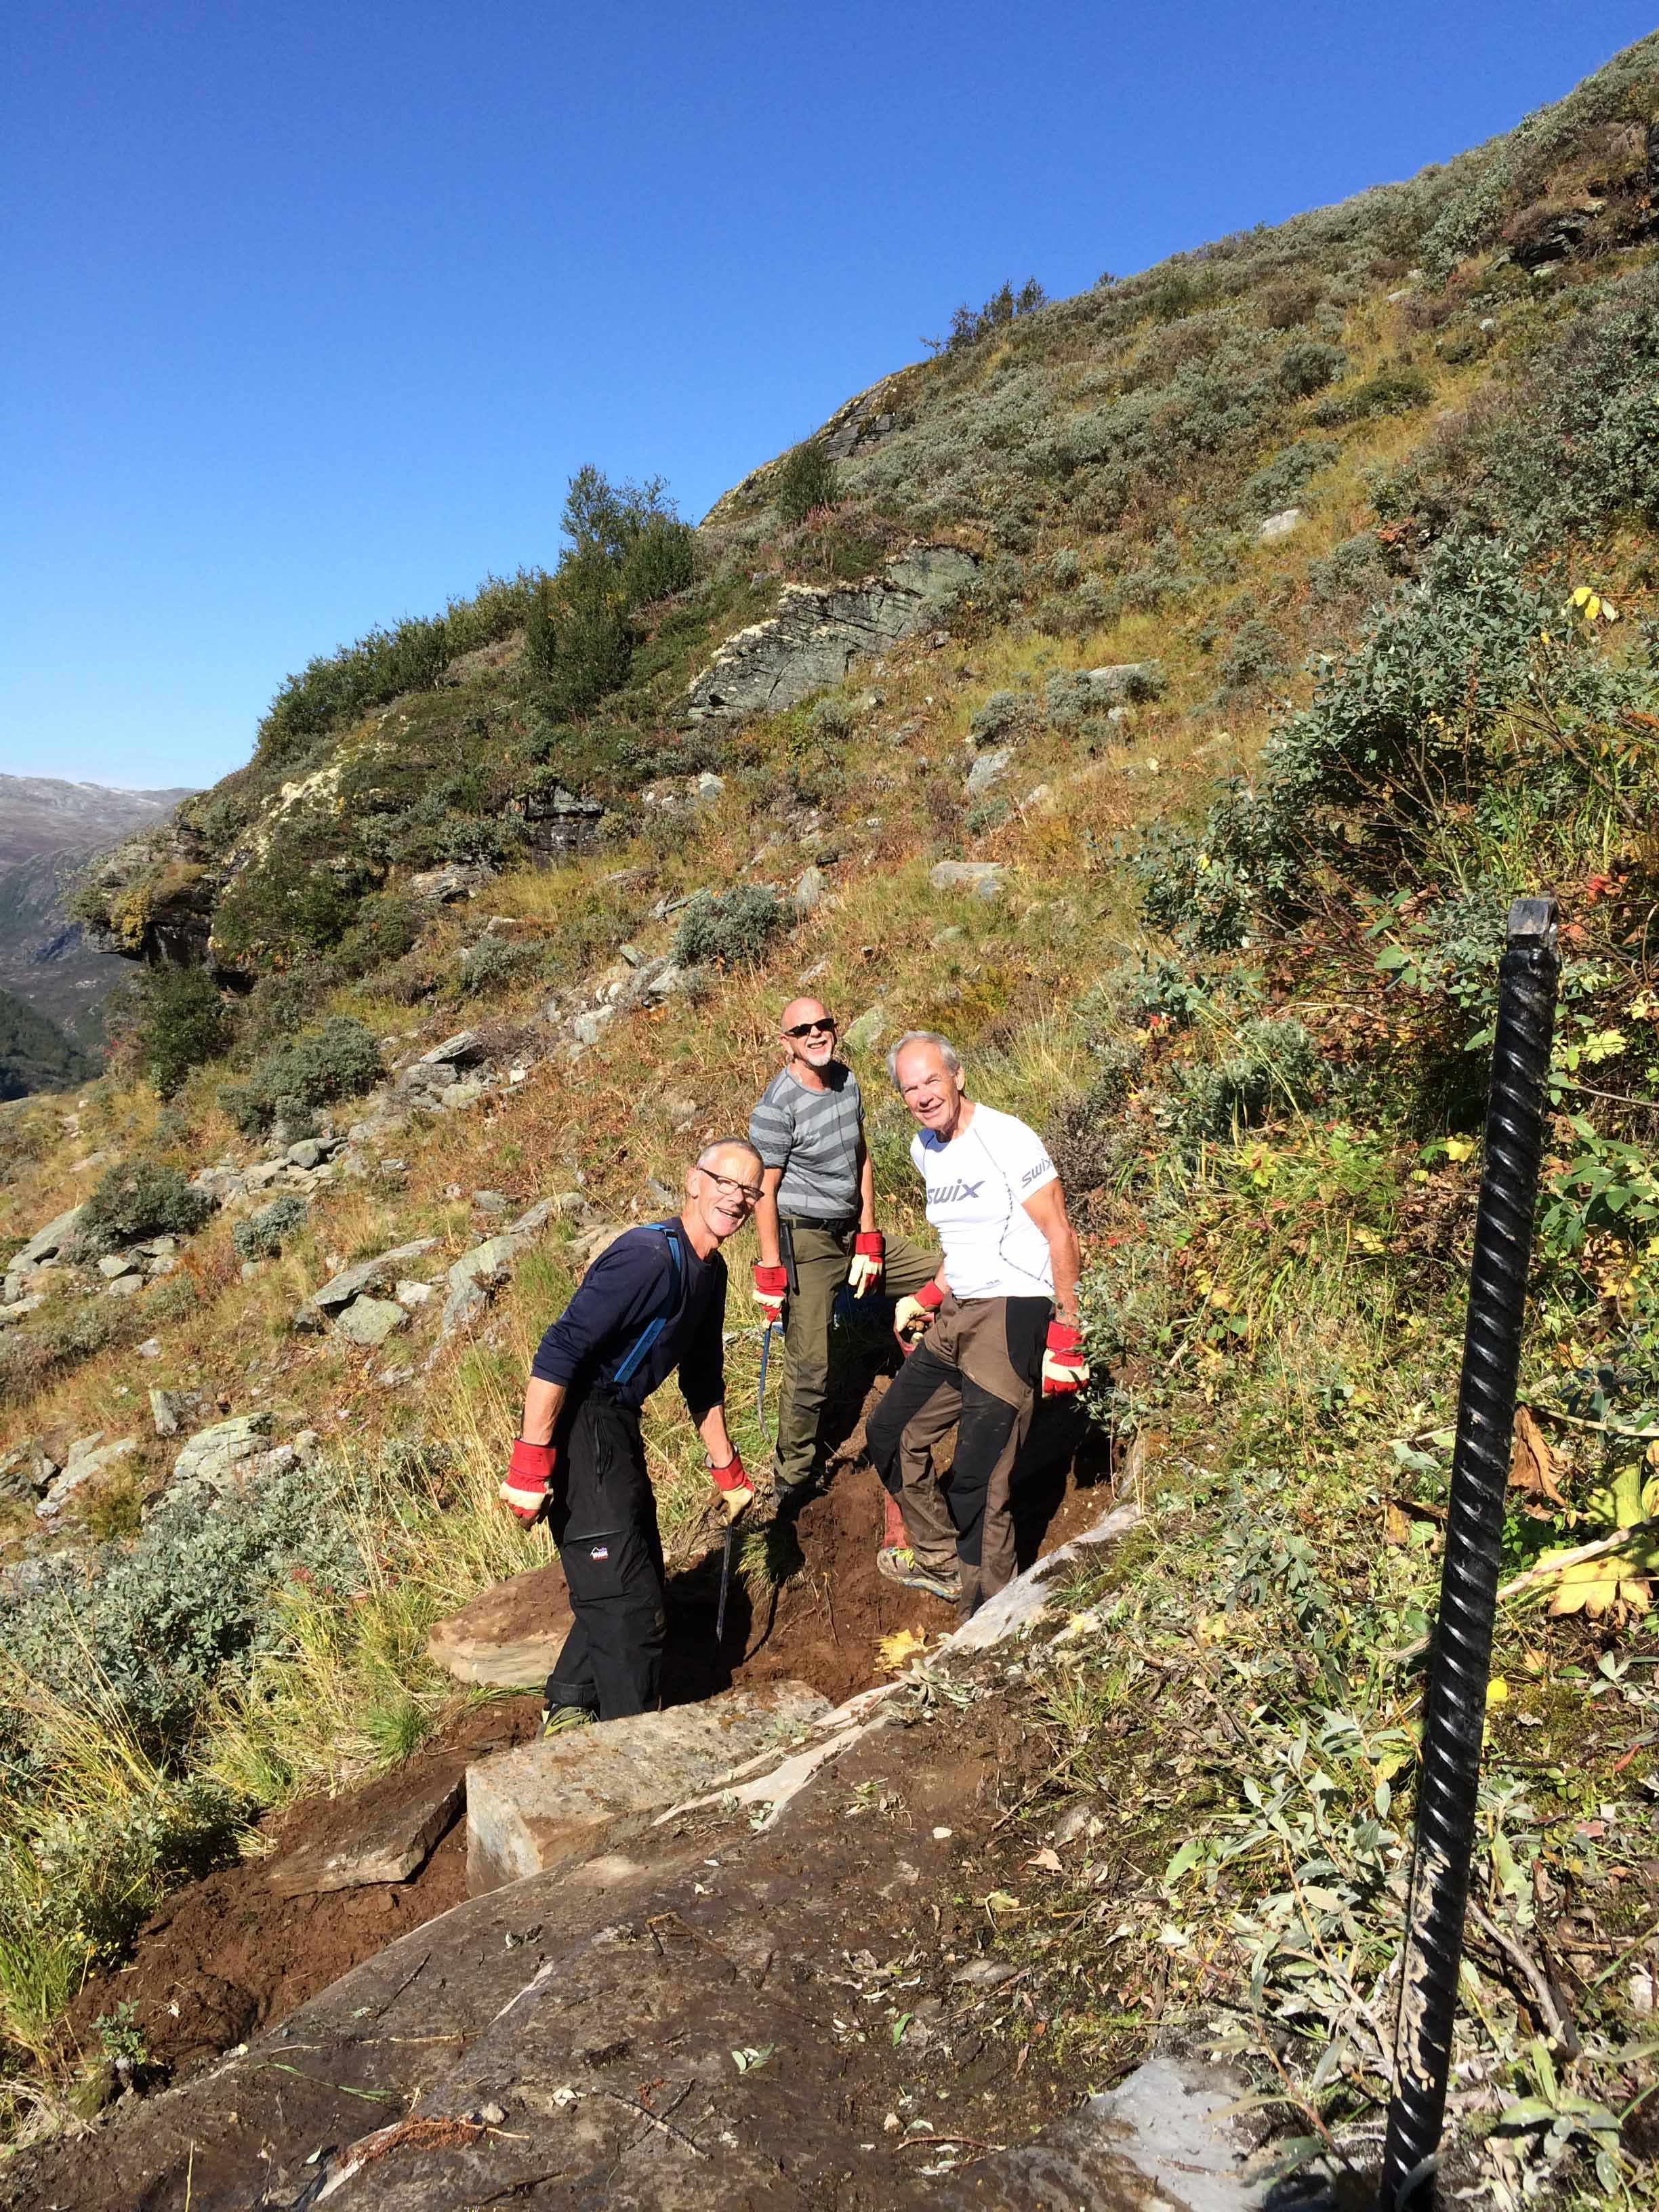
<point x="1001" y="1318"/>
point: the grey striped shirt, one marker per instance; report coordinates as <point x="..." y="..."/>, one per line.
<point x="813" y="1136"/>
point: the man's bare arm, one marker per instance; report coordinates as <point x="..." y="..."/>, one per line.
<point x="542" y="1404"/>
<point x="1047" y="1207"/>
<point x="766" y="1218"/>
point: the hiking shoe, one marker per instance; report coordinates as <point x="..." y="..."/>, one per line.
<point x="899" y="1564"/>
<point x="791" y="1499"/>
<point x="558" y="1720"/>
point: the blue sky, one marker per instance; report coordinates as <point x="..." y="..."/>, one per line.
<point x="311" y="309"/>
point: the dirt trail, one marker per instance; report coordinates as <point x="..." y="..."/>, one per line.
<point x="227" y="1957"/>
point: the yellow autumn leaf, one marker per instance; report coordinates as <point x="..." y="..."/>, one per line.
<point x="1497" y="1692"/>
<point x="1581" y="595"/>
<point x="1459" y="1148"/>
<point x="1590" y="1587"/>
<point x="899" y="1649"/>
<point x="1592" y="607"/>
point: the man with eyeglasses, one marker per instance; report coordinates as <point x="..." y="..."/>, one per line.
<point x="815" y="1223"/>
<point x="653" y="1300"/>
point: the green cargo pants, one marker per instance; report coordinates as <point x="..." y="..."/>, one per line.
<point x="822" y="1259"/>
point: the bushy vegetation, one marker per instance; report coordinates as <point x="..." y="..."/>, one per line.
<point x="805" y="479"/>
<point x="261" y="1235"/>
<point x="339" y="1060"/>
<point x="732" y="929"/>
<point x="969" y="325"/>
<point x="181" y="1024"/>
<point x="139" y="1198"/>
<point x="34" y="1054"/>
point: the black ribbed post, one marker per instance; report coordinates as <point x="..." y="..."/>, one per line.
<point x="1454" y="1709"/>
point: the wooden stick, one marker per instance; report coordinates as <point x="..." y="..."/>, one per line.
<point x="1600" y="1428"/>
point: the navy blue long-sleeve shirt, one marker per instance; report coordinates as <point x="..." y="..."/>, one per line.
<point x="632" y="1284"/>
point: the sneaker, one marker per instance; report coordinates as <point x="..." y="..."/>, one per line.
<point x="899" y="1564"/>
<point x="558" y="1720"/>
<point x="790" y="1499"/>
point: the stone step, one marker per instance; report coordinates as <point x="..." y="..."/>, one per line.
<point x="508" y="1637"/>
<point x="567" y="1797"/>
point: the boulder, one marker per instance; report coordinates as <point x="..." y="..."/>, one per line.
<point x="411" y="1294"/>
<point x="490" y="1201"/>
<point x="587" y="1027"/>
<point x="114" y="1264"/>
<point x="809" y="890"/>
<point x="368" y="1274"/>
<point x="988" y="769"/>
<point x="165" y="1407"/>
<point x="384" y="1834"/>
<point x="865" y="1034"/>
<point x="446" y="885"/>
<point x="567" y="1797"/>
<point x="508" y="1637"/>
<point x="817" y="632"/>
<point x="212" y="1452"/>
<point x="371" y="1321"/>
<point x="87" y="1457"/>
<point x="46" y="1243"/>
<point x="125" y="1286"/>
<point x="1126" y="679"/>
<point x="1279" y="525"/>
<point x="983" y="878"/>
<point x="464" y="1050"/>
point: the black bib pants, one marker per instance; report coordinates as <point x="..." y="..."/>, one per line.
<point x="603" y="1519"/>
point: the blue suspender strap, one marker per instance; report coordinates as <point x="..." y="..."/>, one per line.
<point x="648" y="1335"/>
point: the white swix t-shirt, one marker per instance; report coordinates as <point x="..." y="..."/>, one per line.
<point x="977" y="1186"/>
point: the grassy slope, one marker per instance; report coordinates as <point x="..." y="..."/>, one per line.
<point x="1278" y="1302"/>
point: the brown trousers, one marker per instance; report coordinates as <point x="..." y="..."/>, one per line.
<point x="977" y="1369"/>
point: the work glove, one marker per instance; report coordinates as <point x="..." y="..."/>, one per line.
<point x="1065" y="1370"/>
<point x="529" y="1477"/>
<point x="771" y="1289"/>
<point x="735" y="1491"/>
<point x="869" y="1257"/>
<point x="917" y="1313"/>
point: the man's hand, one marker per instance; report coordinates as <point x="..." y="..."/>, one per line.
<point x="869" y="1257"/>
<point x="917" y="1313"/>
<point x="735" y="1491"/>
<point x="529" y="1477"/>
<point x="771" y="1289"/>
<point x="1065" y="1370"/>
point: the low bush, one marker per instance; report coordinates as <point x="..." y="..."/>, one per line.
<point x="1391" y="392"/>
<point x="1004" y="711"/>
<point x="140" y="1198"/>
<point x="1309" y="366"/>
<point x="1275" y="1066"/>
<point x="387" y="926"/>
<point x="182" y="1023"/>
<point x="491" y="965"/>
<point x="339" y="1060"/>
<point x="279" y="910"/>
<point x="260" y="1237"/>
<point x="731" y="930"/>
<point x="1254" y="656"/>
<point x="1278" y="484"/>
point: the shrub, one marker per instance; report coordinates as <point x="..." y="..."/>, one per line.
<point x="140" y="1198"/>
<point x="1277" y="485"/>
<point x="260" y="1237"/>
<point x="339" y="1060"/>
<point x="967" y="326"/>
<point x="182" y="1023"/>
<point x="832" y="720"/>
<point x="280" y="910"/>
<point x="1275" y="1065"/>
<point x="1002" y="712"/>
<point x="804" y="479"/>
<point x="1309" y="366"/>
<point x="662" y="560"/>
<point x="387" y="926"/>
<point x="730" y="930"/>
<point x="1354" y="566"/>
<point x="491" y="965"/>
<point x="1391" y="392"/>
<point x="1253" y="658"/>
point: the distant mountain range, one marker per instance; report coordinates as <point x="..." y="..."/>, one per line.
<point x="49" y="830"/>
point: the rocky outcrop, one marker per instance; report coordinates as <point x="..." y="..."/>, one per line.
<point x="816" y="634"/>
<point x="558" y="824"/>
<point x="152" y="898"/>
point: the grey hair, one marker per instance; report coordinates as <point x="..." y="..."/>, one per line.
<point x="947" y="1052"/>
<point x="719" y="1144"/>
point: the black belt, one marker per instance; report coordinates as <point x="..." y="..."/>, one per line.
<point x="839" y="1227"/>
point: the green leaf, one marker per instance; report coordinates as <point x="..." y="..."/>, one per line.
<point x="1186" y="1859"/>
<point x="1529" y="2112"/>
<point x="900" y="2024"/>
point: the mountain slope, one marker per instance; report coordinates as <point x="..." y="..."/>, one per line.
<point x="35" y="1055"/>
<point x="1307" y="587"/>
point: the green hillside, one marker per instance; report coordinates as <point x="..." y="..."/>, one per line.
<point x="1302" y="613"/>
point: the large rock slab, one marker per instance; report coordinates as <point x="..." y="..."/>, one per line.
<point x="371" y="1321"/>
<point x="88" y="1458"/>
<point x="385" y="1834"/>
<point x="47" y="1242"/>
<point x="368" y="1274"/>
<point x="566" y="1798"/>
<point x="508" y="1637"/>
<point x="212" y="1452"/>
<point x="816" y="634"/>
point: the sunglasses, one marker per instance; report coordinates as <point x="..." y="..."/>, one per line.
<point x="745" y="1191"/>
<point x="808" y="1029"/>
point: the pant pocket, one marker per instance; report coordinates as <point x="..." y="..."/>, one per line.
<point x="605" y="1565"/>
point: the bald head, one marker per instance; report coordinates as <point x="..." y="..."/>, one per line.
<point x="808" y="1032"/>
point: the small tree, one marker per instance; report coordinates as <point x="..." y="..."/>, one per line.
<point x="806" y="478"/>
<point x="182" y="1023"/>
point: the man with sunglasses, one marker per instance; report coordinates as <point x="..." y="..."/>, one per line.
<point x="654" y="1300"/>
<point x="815" y="1223"/>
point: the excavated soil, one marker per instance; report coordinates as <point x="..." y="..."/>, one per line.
<point x="227" y="1957"/>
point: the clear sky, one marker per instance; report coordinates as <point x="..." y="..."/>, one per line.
<point x="310" y="306"/>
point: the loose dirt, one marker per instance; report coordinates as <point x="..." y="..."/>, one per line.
<point x="226" y="1957"/>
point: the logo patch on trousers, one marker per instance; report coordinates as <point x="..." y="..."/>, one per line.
<point x="600" y="1552"/>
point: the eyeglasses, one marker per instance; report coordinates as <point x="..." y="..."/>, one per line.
<point x="745" y="1191"/>
<point x="808" y="1029"/>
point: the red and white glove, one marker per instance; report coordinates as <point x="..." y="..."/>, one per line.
<point x="529" y="1477"/>
<point x="917" y="1312"/>
<point x="771" y="1289"/>
<point x="737" y="1493"/>
<point x="1065" y="1370"/>
<point x="869" y="1257"/>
